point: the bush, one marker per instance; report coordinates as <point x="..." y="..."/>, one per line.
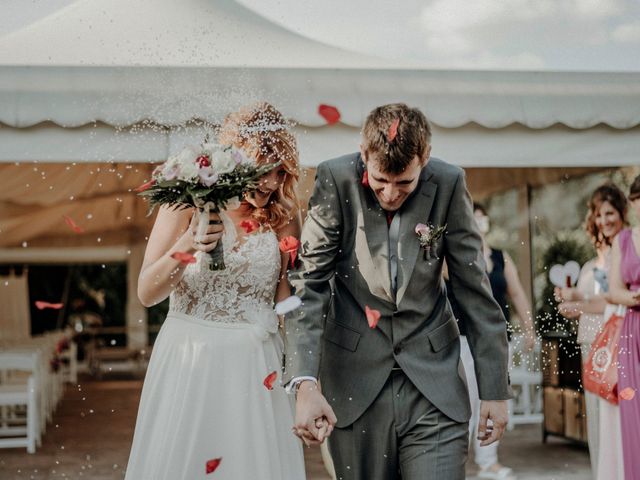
<point x="561" y="248"/>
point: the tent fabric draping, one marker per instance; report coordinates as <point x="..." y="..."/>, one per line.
<point x="99" y="198"/>
<point x="469" y="146"/>
<point x="15" y="317"/>
<point x="122" y="96"/>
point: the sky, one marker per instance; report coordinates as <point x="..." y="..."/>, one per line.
<point x="595" y="35"/>
<point x="599" y="35"/>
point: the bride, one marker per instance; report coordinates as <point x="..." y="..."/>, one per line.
<point x="205" y="406"/>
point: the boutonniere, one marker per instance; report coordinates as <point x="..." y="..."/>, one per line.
<point x="428" y="234"/>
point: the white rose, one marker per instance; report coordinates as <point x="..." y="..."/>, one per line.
<point x="223" y="162"/>
<point x="188" y="171"/>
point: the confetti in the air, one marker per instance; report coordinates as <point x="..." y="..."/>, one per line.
<point x="212" y="465"/>
<point x="290" y="245"/>
<point x="330" y="113"/>
<point x="627" y="394"/>
<point x="372" y="316"/>
<point x="249" y="226"/>
<point x="269" y="379"/>
<point x="40" y="305"/>
<point x="69" y="221"/>
<point x="288" y="305"/>
<point x="183" y="257"/>
<point x="393" y="130"/>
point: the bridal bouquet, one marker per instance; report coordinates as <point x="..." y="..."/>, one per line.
<point x="210" y="178"/>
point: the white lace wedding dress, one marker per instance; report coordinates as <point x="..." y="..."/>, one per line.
<point x="203" y="395"/>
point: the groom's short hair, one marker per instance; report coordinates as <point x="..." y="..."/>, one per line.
<point x="413" y="136"/>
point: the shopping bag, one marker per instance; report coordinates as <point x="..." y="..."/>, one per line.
<point x="600" y="372"/>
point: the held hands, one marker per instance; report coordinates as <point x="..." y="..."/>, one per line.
<point x="493" y="420"/>
<point x="314" y="416"/>
<point x="208" y="241"/>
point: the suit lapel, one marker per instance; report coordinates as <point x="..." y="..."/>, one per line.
<point x="372" y="243"/>
<point x="417" y="210"/>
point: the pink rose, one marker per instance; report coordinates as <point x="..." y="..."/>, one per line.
<point x="422" y="229"/>
<point x="207" y="176"/>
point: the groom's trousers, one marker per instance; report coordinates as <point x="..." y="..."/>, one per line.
<point x="400" y="436"/>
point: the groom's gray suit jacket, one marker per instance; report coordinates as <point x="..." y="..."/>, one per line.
<point x="346" y="238"/>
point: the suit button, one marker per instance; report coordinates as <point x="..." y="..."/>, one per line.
<point x="397" y="350"/>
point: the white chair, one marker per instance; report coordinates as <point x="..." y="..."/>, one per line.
<point x="18" y="396"/>
<point x="526" y="381"/>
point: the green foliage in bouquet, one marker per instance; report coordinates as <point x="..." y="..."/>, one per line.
<point x="182" y="194"/>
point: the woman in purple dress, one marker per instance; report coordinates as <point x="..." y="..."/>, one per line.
<point x="625" y="290"/>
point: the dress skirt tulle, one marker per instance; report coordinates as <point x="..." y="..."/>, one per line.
<point x="203" y="398"/>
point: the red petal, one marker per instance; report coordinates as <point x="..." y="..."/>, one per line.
<point x="212" y="465"/>
<point x="40" y="305"/>
<point x="145" y="186"/>
<point x="269" y="379"/>
<point x="289" y="244"/>
<point x="330" y="113"/>
<point x="183" y="257"/>
<point x="627" y="394"/>
<point x="393" y="130"/>
<point x="249" y="225"/>
<point x="293" y="255"/>
<point x="69" y="221"/>
<point x="365" y="179"/>
<point x="372" y="316"/>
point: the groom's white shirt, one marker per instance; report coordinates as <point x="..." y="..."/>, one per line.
<point x="394" y="234"/>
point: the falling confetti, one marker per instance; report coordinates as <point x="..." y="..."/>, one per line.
<point x="212" y="465"/>
<point x="393" y="130"/>
<point x="69" y="221"/>
<point x="269" y="379"/>
<point x="249" y="226"/>
<point x="288" y="305"/>
<point x="627" y="394"/>
<point x="183" y="257"/>
<point x="145" y="186"/>
<point x="290" y="245"/>
<point x="372" y="316"/>
<point x="40" y="305"/>
<point x="330" y="113"/>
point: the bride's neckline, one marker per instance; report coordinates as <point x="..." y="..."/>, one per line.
<point x="235" y="238"/>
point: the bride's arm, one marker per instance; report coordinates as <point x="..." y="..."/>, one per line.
<point x="172" y="232"/>
<point x="291" y="229"/>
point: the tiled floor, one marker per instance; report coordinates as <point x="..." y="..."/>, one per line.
<point x="92" y="431"/>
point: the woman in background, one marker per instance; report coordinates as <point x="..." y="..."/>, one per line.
<point x="505" y="284"/>
<point x="606" y="217"/>
<point x="625" y="290"/>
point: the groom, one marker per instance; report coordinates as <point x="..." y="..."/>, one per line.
<point x="396" y="387"/>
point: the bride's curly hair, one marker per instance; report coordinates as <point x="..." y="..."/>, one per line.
<point x="263" y="133"/>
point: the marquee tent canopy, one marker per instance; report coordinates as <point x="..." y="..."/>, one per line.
<point x="119" y="81"/>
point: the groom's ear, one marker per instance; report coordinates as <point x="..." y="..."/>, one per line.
<point x="427" y="155"/>
<point x="363" y="154"/>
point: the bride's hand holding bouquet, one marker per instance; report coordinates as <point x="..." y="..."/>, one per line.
<point x="211" y="178"/>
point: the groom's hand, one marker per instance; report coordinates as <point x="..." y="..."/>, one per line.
<point x="310" y="406"/>
<point x="494" y="416"/>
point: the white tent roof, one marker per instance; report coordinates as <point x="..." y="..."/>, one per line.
<point x="88" y="68"/>
<point x="203" y="33"/>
